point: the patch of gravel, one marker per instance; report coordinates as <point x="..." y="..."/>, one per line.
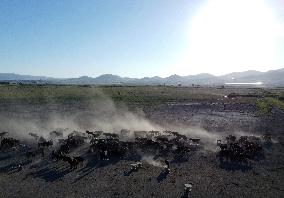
<point x="46" y="178"/>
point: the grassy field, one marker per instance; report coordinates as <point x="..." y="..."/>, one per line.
<point x="137" y="95"/>
<point x="59" y="93"/>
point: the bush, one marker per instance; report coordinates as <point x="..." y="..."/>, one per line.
<point x="281" y="96"/>
<point x="265" y="105"/>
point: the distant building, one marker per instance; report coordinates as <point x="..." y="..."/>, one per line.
<point x="33" y="82"/>
<point x="23" y="82"/>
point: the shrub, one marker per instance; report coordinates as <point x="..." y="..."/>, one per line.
<point x="265" y="105"/>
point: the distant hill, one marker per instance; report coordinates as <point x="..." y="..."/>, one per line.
<point x="12" y="76"/>
<point x="272" y="78"/>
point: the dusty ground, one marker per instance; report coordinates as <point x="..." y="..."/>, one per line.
<point x="264" y="177"/>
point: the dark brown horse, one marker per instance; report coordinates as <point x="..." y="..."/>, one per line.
<point x="74" y="163"/>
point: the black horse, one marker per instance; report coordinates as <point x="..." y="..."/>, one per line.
<point x="74" y="163"/>
<point x="30" y="155"/>
<point x="9" y="142"/>
<point x="45" y="144"/>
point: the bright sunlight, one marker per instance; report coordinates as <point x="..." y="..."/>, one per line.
<point x="232" y="35"/>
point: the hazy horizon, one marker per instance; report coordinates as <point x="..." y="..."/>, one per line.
<point x="136" y="77"/>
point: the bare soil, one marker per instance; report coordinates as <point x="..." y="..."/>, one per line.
<point x="262" y="177"/>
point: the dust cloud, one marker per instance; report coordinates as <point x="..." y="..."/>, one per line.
<point x="150" y="160"/>
<point x="100" y="114"/>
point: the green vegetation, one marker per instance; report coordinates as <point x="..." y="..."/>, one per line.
<point x="265" y="105"/>
<point x="281" y="96"/>
<point x="130" y="95"/>
<point x="148" y="95"/>
<point x="45" y="94"/>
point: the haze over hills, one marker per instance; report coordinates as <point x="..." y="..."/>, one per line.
<point x="273" y="77"/>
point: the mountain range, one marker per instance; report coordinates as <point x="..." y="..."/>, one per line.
<point x="272" y="77"/>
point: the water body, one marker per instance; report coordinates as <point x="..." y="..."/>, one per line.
<point x="245" y="83"/>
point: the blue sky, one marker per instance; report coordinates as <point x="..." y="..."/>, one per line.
<point x="134" y="38"/>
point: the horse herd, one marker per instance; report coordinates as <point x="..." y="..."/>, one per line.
<point x="242" y="149"/>
<point x="104" y="145"/>
<point x="125" y="143"/>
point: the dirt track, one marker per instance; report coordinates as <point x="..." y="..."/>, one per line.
<point x="45" y="178"/>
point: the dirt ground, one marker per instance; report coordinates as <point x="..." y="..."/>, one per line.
<point x="262" y="177"/>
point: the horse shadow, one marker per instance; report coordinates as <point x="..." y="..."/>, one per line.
<point x="50" y="172"/>
<point x="2" y="158"/>
<point x="179" y="160"/>
<point x="163" y="175"/>
<point x="13" y="167"/>
<point x="185" y="194"/>
<point x="50" y="175"/>
<point x="234" y="166"/>
<point x="259" y="156"/>
<point x="94" y="163"/>
<point x="268" y="145"/>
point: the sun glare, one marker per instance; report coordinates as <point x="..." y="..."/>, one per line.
<point x="232" y="35"/>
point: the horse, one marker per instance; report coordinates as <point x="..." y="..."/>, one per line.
<point x="195" y="140"/>
<point x="34" y="135"/>
<point x="3" y="133"/>
<point x="30" y="155"/>
<point x="136" y="166"/>
<point x="56" y="134"/>
<point x="79" y="160"/>
<point x="57" y="155"/>
<point x="9" y="142"/>
<point x="73" y="162"/>
<point x="45" y="144"/>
